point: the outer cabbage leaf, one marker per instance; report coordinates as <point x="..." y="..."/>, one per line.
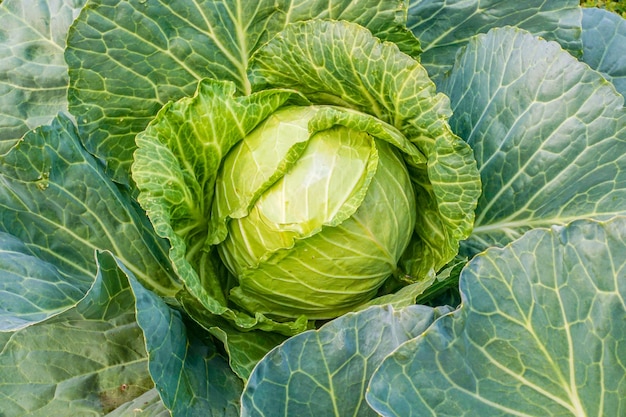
<point x="86" y="361"/>
<point x="445" y="26"/>
<point x="191" y="377"/>
<point x="548" y="134"/>
<point x="51" y="368"/>
<point x="342" y="63"/>
<point x="128" y="58"/>
<point x="604" y="45"/>
<point x="33" y="73"/>
<point x="56" y="199"/>
<point x="325" y="372"/>
<point x="540" y="332"/>
<point x="32" y="289"/>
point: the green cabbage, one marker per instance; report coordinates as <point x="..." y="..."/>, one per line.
<point x="325" y="217"/>
<point x="145" y="235"/>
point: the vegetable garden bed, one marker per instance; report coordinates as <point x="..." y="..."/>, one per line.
<point x="312" y="208"/>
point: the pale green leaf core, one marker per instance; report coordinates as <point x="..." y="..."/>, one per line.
<point x="270" y="149"/>
<point x="312" y="241"/>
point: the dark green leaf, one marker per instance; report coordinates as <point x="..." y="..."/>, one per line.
<point x="56" y="198"/>
<point x="443" y="26"/>
<point x="540" y="332"/>
<point x="86" y="361"/>
<point x="32" y="289"/>
<point x="548" y="133"/>
<point x="106" y="352"/>
<point x="325" y="372"/>
<point x="190" y="375"/>
<point x="33" y="73"/>
<point x="604" y="45"/>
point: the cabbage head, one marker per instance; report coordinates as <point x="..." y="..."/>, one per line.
<point x="332" y="182"/>
<point x="318" y="222"/>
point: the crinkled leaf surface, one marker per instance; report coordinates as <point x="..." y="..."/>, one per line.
<point x="33" y="73"/>
<point x="342" y="63"/>
<point x="604" y="45"/>
<point x="548" y="134"/>
<point x="86" y="361"/>
<point x="325" y="372"/>
<point x="128" y="58"/>
<point x="540" y="332"/>
<point x="57" y="200"/>
<point x="445" y="26"/>
<point x="175" y="168"/>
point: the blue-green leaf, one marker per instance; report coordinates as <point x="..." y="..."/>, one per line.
<point x="444" y="26"/>
<point x="87" y="360"/>
<point x="33" y="73"/>
<point x="32" y="289"/>
<point x="604" y="45"/>
<point x="57" y="200"/>
<point x="100" y="356"/>
<point x="548" y="134"/>
<point x="192" y="378"/>
<point x="540" y="332"/>
<point x="325" y="372"/>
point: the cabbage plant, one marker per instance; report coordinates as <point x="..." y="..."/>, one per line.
<point x="310" y="192"/>
<point x="318" y="207"/>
